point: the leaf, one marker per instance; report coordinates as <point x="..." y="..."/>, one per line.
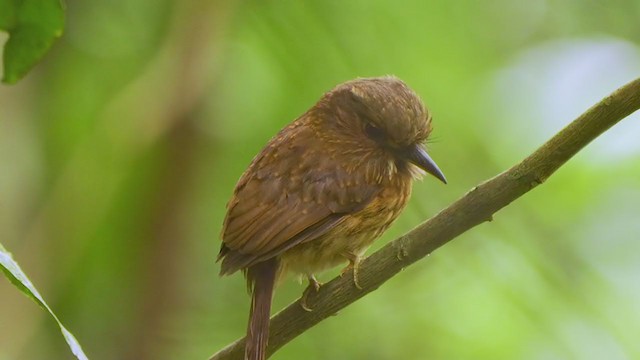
<point x="8" y="14"/>
<point x="33" y="26"/>
<point x="12" y="271"/>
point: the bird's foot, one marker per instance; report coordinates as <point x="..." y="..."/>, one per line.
<point x="354" y="264"/>
<point x="314" y="285"/>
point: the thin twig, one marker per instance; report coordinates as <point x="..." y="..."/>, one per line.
<point x="474" y="208"/>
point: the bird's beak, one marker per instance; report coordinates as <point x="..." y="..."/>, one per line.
<point x="418" y="156"/>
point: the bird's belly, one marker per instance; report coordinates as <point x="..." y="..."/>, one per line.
<point x="323" y="253"/>
<point x="353" y="236"/>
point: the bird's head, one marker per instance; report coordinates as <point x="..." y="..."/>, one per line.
<point x="381" y="119"/>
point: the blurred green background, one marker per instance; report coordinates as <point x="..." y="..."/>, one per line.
<point x="120" y="150"/>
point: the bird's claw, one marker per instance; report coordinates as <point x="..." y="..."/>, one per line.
<point x="314" y="285"/>
<point x="354" y="264"/>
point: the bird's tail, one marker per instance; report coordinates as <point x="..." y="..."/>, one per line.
<point x="261" y="278"/>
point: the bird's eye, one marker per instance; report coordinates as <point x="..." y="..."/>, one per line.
<point x="374" y="133"/>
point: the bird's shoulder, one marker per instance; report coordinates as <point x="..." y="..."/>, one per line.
<point x="297" y="165"/>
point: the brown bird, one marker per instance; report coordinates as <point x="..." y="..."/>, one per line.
<point x="323" y="189"/>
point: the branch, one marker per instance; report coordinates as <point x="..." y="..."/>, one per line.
<point x="474" y="208"/>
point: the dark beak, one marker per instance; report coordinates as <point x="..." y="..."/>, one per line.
<point x="418" y="156"/>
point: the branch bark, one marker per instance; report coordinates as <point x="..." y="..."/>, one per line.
<point x="474" y="208"/>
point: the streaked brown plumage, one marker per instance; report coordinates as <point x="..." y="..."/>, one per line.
<point x="323" y="189"/>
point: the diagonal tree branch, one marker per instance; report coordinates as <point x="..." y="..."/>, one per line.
<point x="474" y="208"/>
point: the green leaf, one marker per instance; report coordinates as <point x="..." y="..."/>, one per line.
<point x="7" y="14"/>
<point x="33" y="26"/>
<point x="12" y="271"/>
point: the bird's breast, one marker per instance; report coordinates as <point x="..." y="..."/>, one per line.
<point x="352" y="236"/>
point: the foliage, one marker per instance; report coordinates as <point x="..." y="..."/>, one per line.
<point x="33" y="26"/>
<point x="12" y="271"/>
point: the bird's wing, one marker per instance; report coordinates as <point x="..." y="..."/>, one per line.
<point x="293" y="192"/>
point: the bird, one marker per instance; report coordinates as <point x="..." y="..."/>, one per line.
<point x="323" y="189"/>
